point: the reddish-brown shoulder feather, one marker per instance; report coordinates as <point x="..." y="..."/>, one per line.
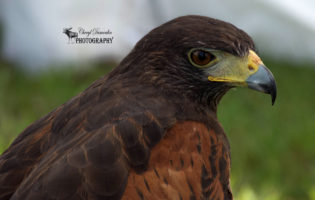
<point x="191" y="162"/>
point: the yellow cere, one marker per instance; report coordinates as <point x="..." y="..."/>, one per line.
<point x="253" y="61"/>
<point x="235" y="70"/>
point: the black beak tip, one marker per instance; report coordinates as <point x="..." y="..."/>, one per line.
<point x="273" y="94"/>
<point x="272" y="90"/>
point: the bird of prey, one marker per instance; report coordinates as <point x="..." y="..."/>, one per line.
<point x="148" y="129"/>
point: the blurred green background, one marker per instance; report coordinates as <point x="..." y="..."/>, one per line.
<point x="273" y="153"/>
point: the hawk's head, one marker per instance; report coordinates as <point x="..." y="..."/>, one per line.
<point x="199" y="57"/>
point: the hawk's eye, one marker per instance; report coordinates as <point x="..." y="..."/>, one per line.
<point x="201" y="58"/>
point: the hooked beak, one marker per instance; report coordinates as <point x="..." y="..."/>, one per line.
<point x="263" y="81"/>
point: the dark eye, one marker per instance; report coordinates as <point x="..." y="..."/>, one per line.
<point x="201" y="58"/>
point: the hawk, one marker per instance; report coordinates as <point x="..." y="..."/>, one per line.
<point x="148" y="129"/>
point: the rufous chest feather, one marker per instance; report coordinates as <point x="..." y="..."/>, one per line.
<point x="190" y="162"/>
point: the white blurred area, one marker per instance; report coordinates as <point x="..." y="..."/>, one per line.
<point x="33" y="38"/>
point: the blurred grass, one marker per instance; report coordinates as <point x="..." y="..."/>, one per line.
<point x="273" y="153"/>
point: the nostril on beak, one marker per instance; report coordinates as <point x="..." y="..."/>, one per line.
<point x="250" y="67"/>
